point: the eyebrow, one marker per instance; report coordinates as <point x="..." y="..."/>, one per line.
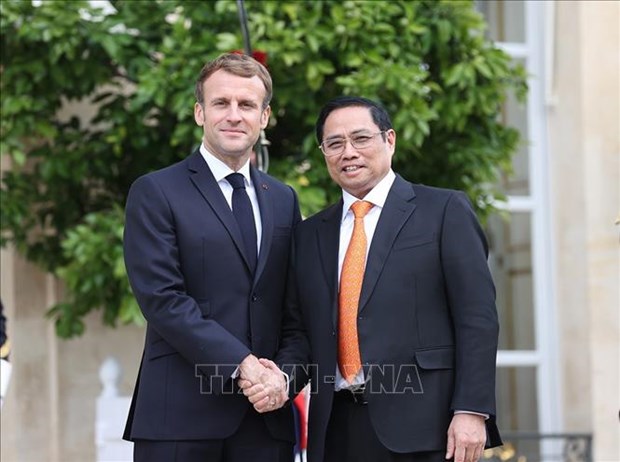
<point x="224" y="99"/>
<point x="249" y="102"/>
<point x="359" y="131"/>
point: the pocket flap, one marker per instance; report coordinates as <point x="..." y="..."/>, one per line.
<point x="160" y="348"/>
<point x="438" y="358"/>
<point x="414" y="241"/>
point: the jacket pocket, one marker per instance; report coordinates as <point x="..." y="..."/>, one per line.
<point x="414" y="241"/>
<point x="436" y="358"/>
<point x="160" y="348"/>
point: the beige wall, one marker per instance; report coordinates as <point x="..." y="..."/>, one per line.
<point x="583" y="130"/>
<point x="49" y="411"/>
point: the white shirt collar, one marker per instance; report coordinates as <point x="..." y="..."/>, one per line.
<point x="377" y="195"/>
<point x="220" y="170"/>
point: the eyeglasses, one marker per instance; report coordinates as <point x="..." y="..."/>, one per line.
<point x="336" y="146"/>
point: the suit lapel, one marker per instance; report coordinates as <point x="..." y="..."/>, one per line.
<point x="265" y="203"/>
<point x="328" y="240"/>
<point x="396" y="211"/>
<point x="203" y="179"/>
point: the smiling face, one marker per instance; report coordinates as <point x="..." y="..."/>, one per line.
<point x="231" y="116"/>
<point x="357" y="171"/>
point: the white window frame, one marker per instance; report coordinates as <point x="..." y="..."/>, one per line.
<point x="536" y="53"/>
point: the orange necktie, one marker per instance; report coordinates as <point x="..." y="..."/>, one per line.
<point x="349" y="361"/>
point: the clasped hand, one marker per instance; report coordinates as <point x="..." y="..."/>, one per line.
<point x="262" y="383"/>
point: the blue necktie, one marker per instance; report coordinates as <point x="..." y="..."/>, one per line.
<point x="242" y="210"/>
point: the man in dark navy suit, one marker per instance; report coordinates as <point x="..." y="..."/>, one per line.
<point x="393" y="303"/>
<point x="5" y="348"/>
<point x="207" y="248"/>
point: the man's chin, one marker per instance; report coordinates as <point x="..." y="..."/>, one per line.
<point x="237" y="151"/>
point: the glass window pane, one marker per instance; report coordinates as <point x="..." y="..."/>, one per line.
<point x="517" y="404"/>
<point x="514" y="114"/>
<point x="517" y="411"/>
<point x="506" y="19"/>
<point x="510" y="259"/>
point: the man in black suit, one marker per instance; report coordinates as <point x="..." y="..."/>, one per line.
<point x="207" y="248"/>
<point x="402" y="349"/>
<point x="5" y="348"/>
<point x="4" y="342"/>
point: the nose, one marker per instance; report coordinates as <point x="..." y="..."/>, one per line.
<point x="233" y="112"/>
<point x="349" y="151"/>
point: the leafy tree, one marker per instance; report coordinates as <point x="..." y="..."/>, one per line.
<point x="133" y="69"/>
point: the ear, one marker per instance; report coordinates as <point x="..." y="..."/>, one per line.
<point x="199" y="114"/>
<point x="264" y="117"/>
<point x="390" y="138"/>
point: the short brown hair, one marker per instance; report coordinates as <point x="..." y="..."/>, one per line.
<point x="236" y="64"/>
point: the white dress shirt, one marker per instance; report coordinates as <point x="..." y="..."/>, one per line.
<point x="377" y="197"/>
<point x="220" y="171"/>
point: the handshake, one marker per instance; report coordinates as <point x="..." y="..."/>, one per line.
<point x="262" y="383"/>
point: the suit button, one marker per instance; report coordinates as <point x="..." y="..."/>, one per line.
<point x="254" y="298"/>
<point x="361" y="318"/>
<point x="333" y="333"/>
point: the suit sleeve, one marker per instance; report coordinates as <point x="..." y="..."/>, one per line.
<point x="294" y="353"/>
<point x="471" y="297"/>
<point x="154" y="271"/>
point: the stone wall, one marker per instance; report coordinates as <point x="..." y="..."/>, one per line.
<point x="583" y="130"/>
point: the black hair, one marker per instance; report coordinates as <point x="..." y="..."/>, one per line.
<point x="379" y="115"/>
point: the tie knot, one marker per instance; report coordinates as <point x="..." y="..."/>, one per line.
<point x="361" y="208"/>
<point x="236" y="180"/>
